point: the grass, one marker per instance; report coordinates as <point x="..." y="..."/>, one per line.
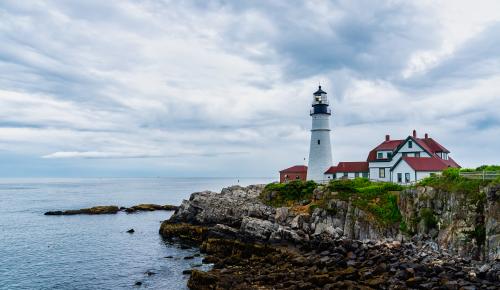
<point x="288" y="194"/>
<point x="451" y="181"/>
<point x="377" y="198"/>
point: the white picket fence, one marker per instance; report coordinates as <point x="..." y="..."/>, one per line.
<point x="483" y="175"/>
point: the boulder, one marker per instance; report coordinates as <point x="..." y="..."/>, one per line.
<point x="257" y="228"/>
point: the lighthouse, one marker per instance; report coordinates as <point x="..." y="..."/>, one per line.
<point x="320" y="149"/>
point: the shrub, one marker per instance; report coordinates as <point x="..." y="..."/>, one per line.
<point x="488" y="168"/>
<point x="452" y="173"/>
<point x="280" y="194"/>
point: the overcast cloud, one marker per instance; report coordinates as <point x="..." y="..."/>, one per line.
<point x="223" y="88"/>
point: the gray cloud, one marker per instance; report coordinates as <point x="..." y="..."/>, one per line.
<point x="189" y="81"/>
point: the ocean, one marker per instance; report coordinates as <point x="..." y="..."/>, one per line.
<point x="94" y="252"/>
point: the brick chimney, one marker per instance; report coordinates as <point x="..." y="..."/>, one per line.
<point x="414" y="133"/>
<point x="387" y="137"/>
<point x="426" y="136"/>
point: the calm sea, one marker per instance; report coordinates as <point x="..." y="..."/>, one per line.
<point x="93" y="252"/>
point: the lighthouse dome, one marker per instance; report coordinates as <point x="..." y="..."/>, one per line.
<point x="319" y="92"/>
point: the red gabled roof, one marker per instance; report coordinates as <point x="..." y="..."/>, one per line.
<point x="429" y="163"/>
<point x="360" y="166"/>
<point x="386" y="145"/>
<point x="433" y="145"/>
<point x="451" y="163"/>
<point x="295" y="169"/>
<point x="428" y="144"/>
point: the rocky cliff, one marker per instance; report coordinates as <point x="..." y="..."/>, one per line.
<point x="460" y="223"/>
<point x="438" y="235"/>
<point x="456" y="223"/>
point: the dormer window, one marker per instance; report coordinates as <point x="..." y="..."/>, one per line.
<point x="410" y="144"/>
<point x="380" y="155"/>
<point x="389" y="155"/>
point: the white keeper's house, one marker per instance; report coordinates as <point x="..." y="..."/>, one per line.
<point x="401" y="161"/>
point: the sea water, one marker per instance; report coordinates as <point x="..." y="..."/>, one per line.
<point x="94" y="251"/>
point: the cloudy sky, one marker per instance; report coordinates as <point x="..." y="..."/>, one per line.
<point x="223" y="88"/>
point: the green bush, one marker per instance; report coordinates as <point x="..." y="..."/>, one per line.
<point x="279" y="194"/>
<point x="488" y="168"/>
<point x="452" y="173"/>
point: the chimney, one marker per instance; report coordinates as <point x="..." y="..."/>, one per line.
<point x="414" y="133"/>
<point x="426" y="136"/>
<point x="387" y="137"/>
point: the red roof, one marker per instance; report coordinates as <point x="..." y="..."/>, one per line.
<point x="390" y="145"/>
<point x="361" y="166"/>
<point x="428" y="144"/>
<point x="429" y="163"/>
<point x="295" y="169"/>
<point x="434" y="145"/>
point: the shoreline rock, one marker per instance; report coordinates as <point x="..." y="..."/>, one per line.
<point x="112" y="209"/>
<point x="255" y="246"/>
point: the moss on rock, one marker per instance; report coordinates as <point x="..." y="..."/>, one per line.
<point x="183" y="231"/>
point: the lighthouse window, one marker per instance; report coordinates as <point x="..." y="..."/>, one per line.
<point x="319" y="141"/>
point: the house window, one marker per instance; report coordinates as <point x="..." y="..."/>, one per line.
<point x="381" y="172"/>
<point x="334" y="176"/>
<point x="297" y="177"/>
<point x="405" y="154"/>
<point x="345" y="174"/>
<point x="410" y="144"/>
<point x="380" y="155"/>
<point x="319" y="141"/>
<point x="400" y="177"/>
<point x="417" y="154"/>
<point x="365" y="174"/>
<point x="407" y="177"/>
<point x="356" y="174"/>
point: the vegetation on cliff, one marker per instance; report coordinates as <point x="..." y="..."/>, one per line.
<point x="451" y="181"/>
<point x="288" y="194"/>
<point x="377" y="198"/>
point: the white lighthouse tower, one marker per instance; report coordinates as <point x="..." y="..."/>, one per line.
<point x="320" y="150"/>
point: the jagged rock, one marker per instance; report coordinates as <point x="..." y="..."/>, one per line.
<point x="257" y="228"/>
<point x="281" y="215"/>
<point x="228" y="207"/>
<point x="492" y="223"/>
<point x="455" y="220"/>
